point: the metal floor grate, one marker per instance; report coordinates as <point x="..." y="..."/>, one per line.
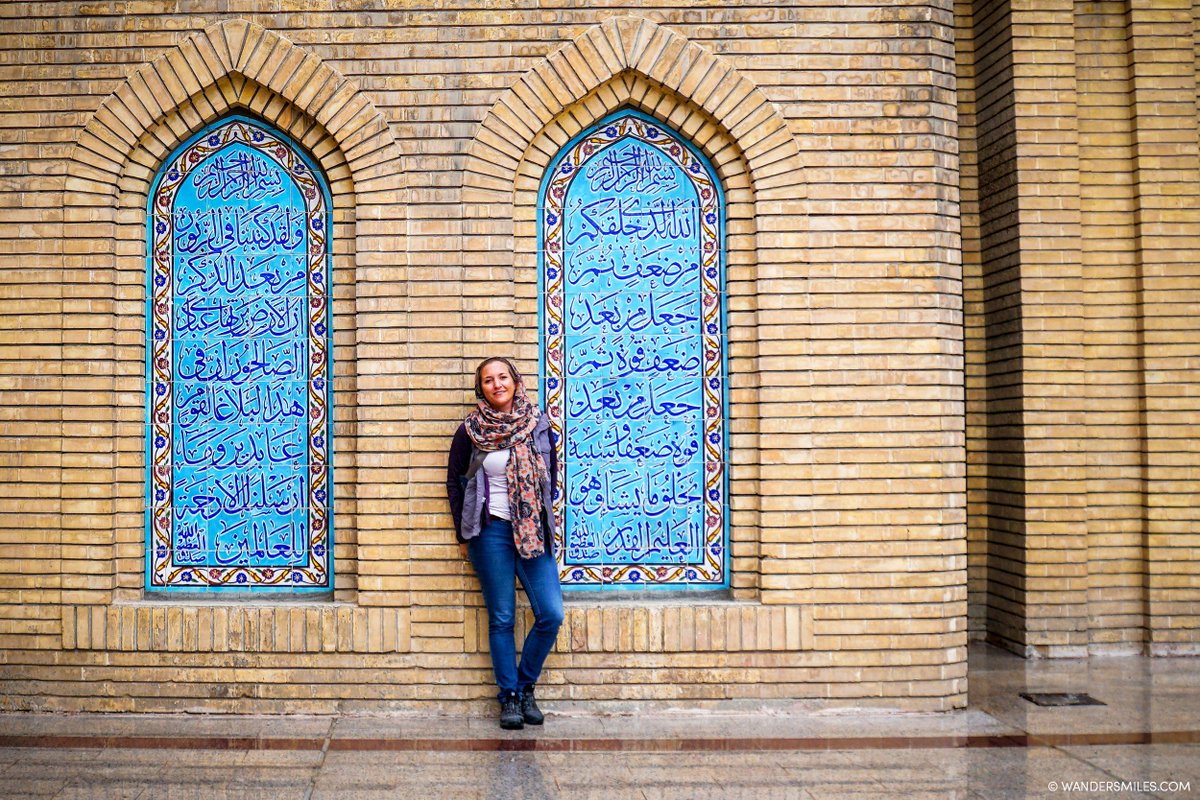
<point x="1061" y="699"/>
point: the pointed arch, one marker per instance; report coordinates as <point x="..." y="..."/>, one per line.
<point x="632" y="62"/>
<point x="233" y="66"/>
<point x="622" y="62"/>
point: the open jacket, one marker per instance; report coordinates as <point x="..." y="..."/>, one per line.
<point x="467" y="483"/>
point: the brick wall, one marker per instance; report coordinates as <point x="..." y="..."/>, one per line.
<point x="833" y="128"/>
<point x="1086" y="475"/>
<point x="994" y="388"/>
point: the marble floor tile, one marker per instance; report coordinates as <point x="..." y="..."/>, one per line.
<point x="1142" y="763"/>
<point x="1001" y="747"/>
<point x="91" y="790"/>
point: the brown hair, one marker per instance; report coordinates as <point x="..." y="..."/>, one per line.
<point x="512" y="370"/>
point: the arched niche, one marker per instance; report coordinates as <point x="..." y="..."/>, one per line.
<point x="239" y="366"/>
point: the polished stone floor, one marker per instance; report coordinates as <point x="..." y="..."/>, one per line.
<point x="1145" y="742"/>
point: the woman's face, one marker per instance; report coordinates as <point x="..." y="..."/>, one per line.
<point x="498" y="386"/>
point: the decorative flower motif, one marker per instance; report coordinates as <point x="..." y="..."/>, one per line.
<point x="159" y="335"/>
<point x="567" y="168"/>
<point x="319" y="384"/>
<point x="186" y="576"/>
<point x="319" y="550"/>
<point x="610" y="131"/>
<point x="652" y="133"/>
<point x="695" y="167"/>
<point x="318" y="224"/>
<point x="606" y="573"/>
<point x="173" y="175"/>
<point x="557" y="191"/>
<point x="160" y="553"/>
<point x="161" y="227"/>
<point x="661" y="572"/>
<point x="552" y="383"/>
<point x="160" y="442"/>
<point x="297" y="577"/>
<point x="708" y="246"/>
<point x="674" y="150"/>
<point x="241" y="578"/>
<point x="551" y="273"/>
<point x="267" y="573"/>
<point x="317" y="277"/>
<point x="318" y="441"/>
<point x="691" y="575"/>
<point x="713" y="383"/>
<point x="714" y="495"/>
<point x="160" y="495"/>
<point x="298" y="169"/>
<point x="256" y="136"/>
<point x="160" y="280"/>
<point x="214" y="574"/>
<point x="160" y="389"/>
<point x="714" y="438"/>
<point x="577" y="575"/>
<point x="552" y="219"/>
<point x="712" y="328"/>
<point x="319" y="328"/>
<point x="320" y="495"/>
<point x="706" y="193"/>
<point x="214" y="140"/>
<point x="588" y="149"/>
<point x="634" y="576"/>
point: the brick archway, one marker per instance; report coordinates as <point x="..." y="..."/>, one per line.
<point x="233" y="66"/>
<point x="632" y="62"/>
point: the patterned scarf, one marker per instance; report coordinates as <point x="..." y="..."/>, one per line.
<point x="493" y="430"/>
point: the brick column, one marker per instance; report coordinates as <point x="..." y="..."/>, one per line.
<point x="1032" y="304"/>
<point x="1162" y="45"/>
<point x="1113" y="342"/>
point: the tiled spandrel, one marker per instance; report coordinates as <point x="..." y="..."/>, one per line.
<point x="238" y="428"/>
<point x="632" y="279"/>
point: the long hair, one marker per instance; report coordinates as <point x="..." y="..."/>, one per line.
<point x="512" y="370"/>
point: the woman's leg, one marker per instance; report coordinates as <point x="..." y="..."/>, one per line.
<point x="539" y="577"/>
<point x="494" y="557"/>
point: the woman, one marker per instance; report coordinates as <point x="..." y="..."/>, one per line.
<point x="498" y="481"/>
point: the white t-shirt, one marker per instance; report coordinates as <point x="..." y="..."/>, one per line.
<point x="494" y="464"/>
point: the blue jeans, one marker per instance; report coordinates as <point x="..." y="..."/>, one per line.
<point x="494" y="556"/>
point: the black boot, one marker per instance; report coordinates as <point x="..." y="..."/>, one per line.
<point x="511" y="718"/>
<point x="529" y="709"/>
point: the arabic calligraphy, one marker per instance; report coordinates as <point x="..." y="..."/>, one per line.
<point x="240" y="347"/>
<point x="632" y="361"/>
<point x="635" y="169"/>
<point x="237" y="175"/>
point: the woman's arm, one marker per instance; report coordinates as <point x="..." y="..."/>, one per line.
<point x="456" y="467"/>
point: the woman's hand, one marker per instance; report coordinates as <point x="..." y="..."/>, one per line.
<point x="462" y="549"/>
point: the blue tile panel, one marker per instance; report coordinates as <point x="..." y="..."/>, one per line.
<point x="632" y="278"/>
<point x="238" y="448"/>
